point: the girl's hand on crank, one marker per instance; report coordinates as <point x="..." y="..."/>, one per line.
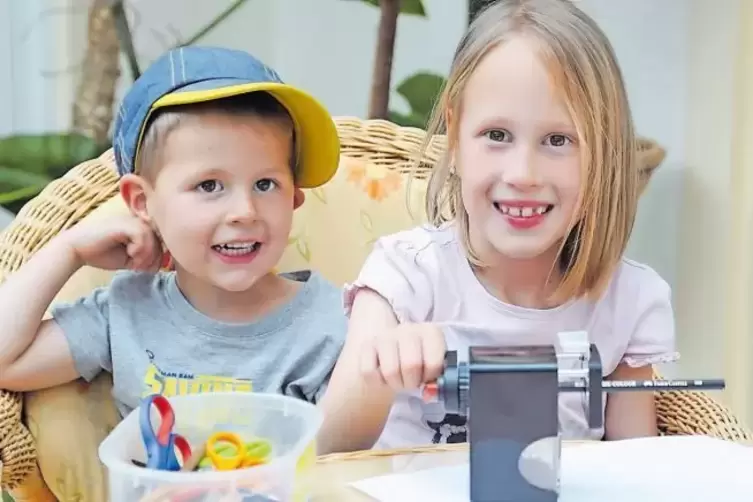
<point x="405" y="356"/>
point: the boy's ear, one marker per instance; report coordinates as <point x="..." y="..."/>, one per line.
<point x="298" y="198"/>
<point x="134" y="189"/>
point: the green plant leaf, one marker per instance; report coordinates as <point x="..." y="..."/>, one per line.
<point x="409" y="120"/>
<point x="28" y="162"/>
<point x="20" y="195"/>
<point x="19" y="185"/>
<point x="420" y="91"/>
<point x="20" y="177"/>
<point x="49" y="153"/>
<point x="409" y="7"/>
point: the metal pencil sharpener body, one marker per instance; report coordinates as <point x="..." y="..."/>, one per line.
<point x="510" y="396"/>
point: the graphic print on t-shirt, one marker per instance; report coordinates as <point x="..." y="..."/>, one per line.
<point x="451" y="429"/>
<point x="447" y="428"/>
<point x="171" y="383"/>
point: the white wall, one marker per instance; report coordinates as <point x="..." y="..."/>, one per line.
<point x="651" y="42"/>
<point x="326" y="46"/>
<point x="36" y="58"/>
<point x="715" y="336"/>
<point x="677" y="55"/>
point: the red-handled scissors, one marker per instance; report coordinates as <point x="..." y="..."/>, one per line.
<point x="160" y="446"/>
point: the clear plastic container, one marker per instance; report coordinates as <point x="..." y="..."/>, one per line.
<point x="289" y="424"/>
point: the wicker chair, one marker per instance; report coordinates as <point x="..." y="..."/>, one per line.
<point x="67" y="200"/>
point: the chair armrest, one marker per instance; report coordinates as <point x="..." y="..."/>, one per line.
<point x="60" y="205"/>
<point x="17" y="450"/>
<point x="689" y="413"/>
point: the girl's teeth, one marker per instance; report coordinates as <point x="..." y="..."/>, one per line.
<point x="525" y="212"/>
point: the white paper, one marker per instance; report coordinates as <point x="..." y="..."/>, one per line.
<point x="664" y="469"/>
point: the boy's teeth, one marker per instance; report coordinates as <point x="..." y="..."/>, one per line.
<point x="237" y="249"/>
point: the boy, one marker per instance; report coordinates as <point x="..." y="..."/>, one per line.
<point x="213" y="150"/>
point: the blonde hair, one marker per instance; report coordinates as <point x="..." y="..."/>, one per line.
<point x="583" y="66"/>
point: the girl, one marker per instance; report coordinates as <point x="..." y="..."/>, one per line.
<point x="531" y="209"/>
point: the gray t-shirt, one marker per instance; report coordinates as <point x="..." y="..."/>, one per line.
<point x="145" y="332"/>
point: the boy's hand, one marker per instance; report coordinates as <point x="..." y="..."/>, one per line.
<point x="405" y="357"/>
<point x="118" y="243"/>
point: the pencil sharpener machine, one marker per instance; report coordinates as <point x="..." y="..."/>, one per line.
<point x="510" y="396"/>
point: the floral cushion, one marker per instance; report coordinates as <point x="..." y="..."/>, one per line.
<point x="337" y="225"/>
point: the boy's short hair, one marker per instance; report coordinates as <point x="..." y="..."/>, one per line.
<point x="191" y="75"/>
<point x="162" y="121"/>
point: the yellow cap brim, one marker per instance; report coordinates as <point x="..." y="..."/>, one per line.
<point x="316" y="134"/>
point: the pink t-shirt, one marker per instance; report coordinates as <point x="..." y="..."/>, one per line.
<point x="424" y="274"/>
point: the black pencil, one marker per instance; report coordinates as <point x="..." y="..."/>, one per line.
<point x="644" y="385"/>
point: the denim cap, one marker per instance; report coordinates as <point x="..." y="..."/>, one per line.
<point x="195" y="74"/>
